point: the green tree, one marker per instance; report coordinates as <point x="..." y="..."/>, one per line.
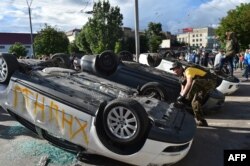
<point x="154" y="36"/>
<point x="143" y="44"/>
<point x="104" y="29"/>
<point x="238" y="21"/>
<point x="118" y="47"/>
<point x="73" y="48"/>
<point x="128" y="43"/>
<point x="49" y="41"/>
<point x="81" y="41"/>
<point x="18" y="49"/>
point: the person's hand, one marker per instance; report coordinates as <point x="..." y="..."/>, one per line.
<point x="180" y="99"/>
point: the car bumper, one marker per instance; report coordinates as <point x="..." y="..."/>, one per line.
<point x="228" y="88"/>
<point x="152" y="153"/>
<point x="215" y="101"/>
<point x="166" y="157"/>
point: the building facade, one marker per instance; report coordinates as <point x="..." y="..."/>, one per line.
<point x="72" y="34"/>
<point x="198" y="37"/>
<point x="9" y="39"/>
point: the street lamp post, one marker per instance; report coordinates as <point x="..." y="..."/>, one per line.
<point x="137" y="38"/>
<point x="31" y="33"/>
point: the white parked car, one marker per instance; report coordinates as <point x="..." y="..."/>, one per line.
<point x="227" y="84"/>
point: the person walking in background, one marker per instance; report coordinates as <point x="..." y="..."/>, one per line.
<point x="218" y="58"/>
<point x="241" y="60"/>
<point x="232" y="48"/>
<point x="246" y="63"/>
<point x="236" y="61"/>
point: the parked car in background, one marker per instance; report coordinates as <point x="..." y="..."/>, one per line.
<point x="83" y="113"/>
<point x="147" y="80"/>
<point x="226" y="83"/>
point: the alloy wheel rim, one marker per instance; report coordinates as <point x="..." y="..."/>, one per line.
<point x="122" y="122"/>
<point x="3" y="69"/>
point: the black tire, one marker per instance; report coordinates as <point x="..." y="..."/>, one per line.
<point x="106" y="63"/>
<point x="125" y="56"/>
<point x="61" y="60"/>
<point x="125" y="122"/>
<point x="154" y="60"/>
<point x="8" y="65"/>
<point x="154" y="90"/>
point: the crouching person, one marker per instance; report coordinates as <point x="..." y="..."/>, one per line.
<point x="196" y="84"/>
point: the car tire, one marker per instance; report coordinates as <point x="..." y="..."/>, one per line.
<point x="61" y="60"/>
<point x="154" y="60"/>
<point x="106" y="63"/>
<point x="154" y="90"/>
<point x="125" y="122"/>
<point x="125" y="56"/>
<point x="8" y="65"/>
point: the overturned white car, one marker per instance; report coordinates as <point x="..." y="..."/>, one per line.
<point x="226" y="84"/>
<point x="84" y="113"/>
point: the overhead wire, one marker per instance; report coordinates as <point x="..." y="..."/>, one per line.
<point x="87" y="4"/>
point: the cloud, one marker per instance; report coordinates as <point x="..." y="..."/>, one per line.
<point x="69" y="14"/>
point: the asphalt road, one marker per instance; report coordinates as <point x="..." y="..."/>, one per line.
<point x="229" y="128"/>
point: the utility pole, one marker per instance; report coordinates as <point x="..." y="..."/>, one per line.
<point x="31" y="33"/>
<point x="137" y="37"/>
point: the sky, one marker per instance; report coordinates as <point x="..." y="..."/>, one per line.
<point x="66" y="15"/>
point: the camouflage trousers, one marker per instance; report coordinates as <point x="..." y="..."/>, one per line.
<point x="197" y="94"/>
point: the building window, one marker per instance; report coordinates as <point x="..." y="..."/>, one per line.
<point x="196" y="35"/>
<point x="193" y="35"/>
<point x="2" y="47"/>
<point x="200" y="35"/>
<point x="197" y="40"/>
<point x="193" y="44"/>
<point x="193" y="40"/>
<point x="201" y="44"/>
<point x="27" y="46"/>
<point x="200" y="39"/>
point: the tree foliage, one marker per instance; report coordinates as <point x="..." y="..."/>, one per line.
<point x="18" y="49"/>
<point x="73" y="48"/>
<point x="238" y="21"/>
<point x="154" y="36"/>
<point x="49" y="41"/>
<point x="81" y="41"/>
<point x="103" y="30"/>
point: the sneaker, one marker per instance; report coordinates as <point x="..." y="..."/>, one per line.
<point x="202" y="122"/>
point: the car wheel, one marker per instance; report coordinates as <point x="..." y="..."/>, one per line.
<point x="125" y="122"/>
<point x="154" y="60"/>
<point x="8" y="65"/>
<point x="154" y="90"/>
<point x="106" y="62"/>
<point x="125" y="56"/>
<point x="61" y="60"/>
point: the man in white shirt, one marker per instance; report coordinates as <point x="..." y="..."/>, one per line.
<point x="218" y="58"/>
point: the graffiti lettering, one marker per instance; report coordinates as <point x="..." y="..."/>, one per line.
<point x="48" y="110"/>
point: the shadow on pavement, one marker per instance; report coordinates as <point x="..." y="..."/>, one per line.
<point x="100" y="160"/>
<point x="210" y="142"/>
<point x="14" y="130"/>
<point x="232" y="110"/>
<point x="4" y="116"/>
<point x="243" y="90"/>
